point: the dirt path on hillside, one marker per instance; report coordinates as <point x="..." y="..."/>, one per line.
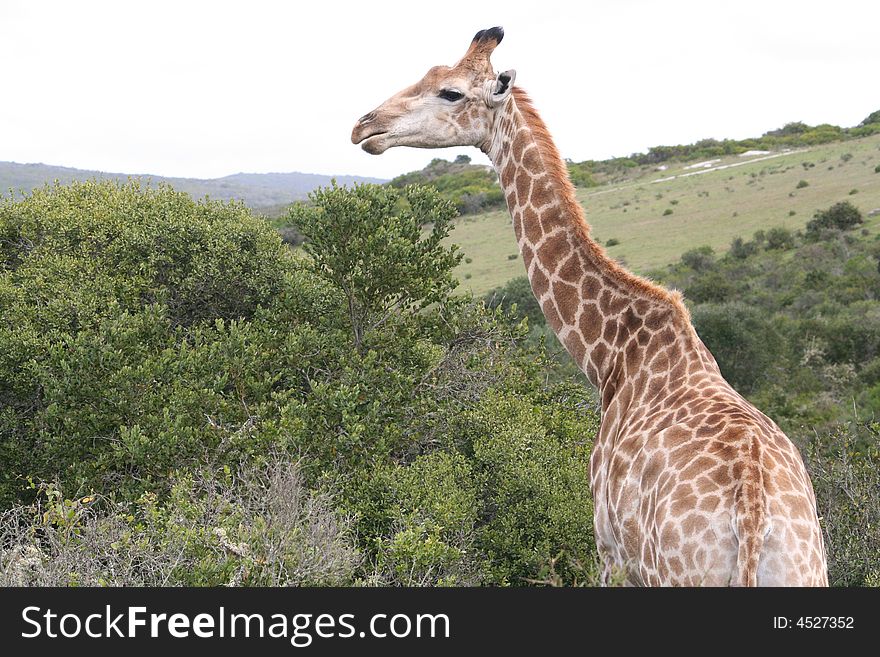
<point x="701" y="172"/>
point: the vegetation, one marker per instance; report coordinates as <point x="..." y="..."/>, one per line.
<point x="793" y="320"/>
<point x="791" y="135"/>
<point x="184" y="400"/>
<point x="712" y="209"/>
<point x="840" y="216"/>
<point x="581" y="173"/>
<point x="270" y="193"/>
<point x="384" y="265"/>
<point x="845" y="469"/>
<point x="472" y="188"/>
<point x="167" y="362"/>
<point x="253" y="526"/>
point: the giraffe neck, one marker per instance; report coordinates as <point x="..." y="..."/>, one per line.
<point x="613" y="323"/>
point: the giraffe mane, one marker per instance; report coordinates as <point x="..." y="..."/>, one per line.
<point x="555" y="166"/>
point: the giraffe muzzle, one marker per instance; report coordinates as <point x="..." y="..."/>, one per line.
<point x="367" y="133"/>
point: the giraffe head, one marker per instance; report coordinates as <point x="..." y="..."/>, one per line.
<point x="448" y="107"/>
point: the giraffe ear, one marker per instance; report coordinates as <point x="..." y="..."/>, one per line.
<point x="502" y="87"/>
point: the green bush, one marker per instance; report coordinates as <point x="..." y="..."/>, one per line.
<point x="506" y="499"/>
<point x="367" y="243"/>
<point x="845" y="469"/>
<point x="113" y="301"/>
<point x="538" y="506"/>
<point x="517" y="295"/>
<point x="711" y="287"/>
<point x="873" y="117"/>
<point x="701" y="258"/>
<point x="741" y="249"/>
<point x="470" y="187"/>
<point x="75" y="251"/>
<point x="780" y="238"/>
<point x="745" y="342"/>
<point x="581" y="173"/>
<point x="429" y="529"/>
<point x="840" y="216"/>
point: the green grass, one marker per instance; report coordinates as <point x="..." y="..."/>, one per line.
<point x="711" y="208"/>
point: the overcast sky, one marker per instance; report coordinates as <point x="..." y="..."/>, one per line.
<point x="206" y="89"/>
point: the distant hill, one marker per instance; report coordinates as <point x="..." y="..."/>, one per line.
<point x="257" y="190"/>
<point x="472" y="187"/>
<point x="792" y="135"/>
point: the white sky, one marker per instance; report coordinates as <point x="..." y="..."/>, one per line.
<point x="210" y="88"/>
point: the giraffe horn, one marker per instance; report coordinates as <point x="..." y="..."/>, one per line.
<point x="495" y="34"/>
<point x="482" y="45"/>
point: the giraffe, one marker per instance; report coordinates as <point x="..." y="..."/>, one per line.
<point x="692" y="485"/>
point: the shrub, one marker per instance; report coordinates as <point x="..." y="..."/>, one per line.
<point x="114" y="299"/>
<point x="506" y="497"/>
<point x="845" y="469"/>
<point x="517" y="294"/>
<point x="406" y="270"/>
<point x="873" y="117"/>
<point x="429" y="530"/>
<point x="260" y="527"/>
<point x="667" y="212"/>
<point x="537" y="508"/>
<point x="72" y="252"/>
<point x="612" y="242"/>
<point x="711" y="287"/>
<point x="780" y="238"/>
<point x="700" y="259"/>
<point x="740" y="249"/>
<point x="840" y="216"/>
<point x="747" y="345"/>
<point x="801" y="184"/>
<point x="154" y="413"/>
<point x="581" y="174"/>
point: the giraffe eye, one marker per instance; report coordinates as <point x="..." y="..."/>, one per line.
<point x="451" y="95"/>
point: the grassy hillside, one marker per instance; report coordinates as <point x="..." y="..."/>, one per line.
<point x="657" y="217"/>
<point x="259" y="191"/>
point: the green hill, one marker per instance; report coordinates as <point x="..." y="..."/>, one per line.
<point x="659" y="214"/>
<point x="472" y="187"/>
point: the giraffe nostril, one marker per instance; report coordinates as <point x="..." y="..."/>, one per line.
<point x="366" y="118"/>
